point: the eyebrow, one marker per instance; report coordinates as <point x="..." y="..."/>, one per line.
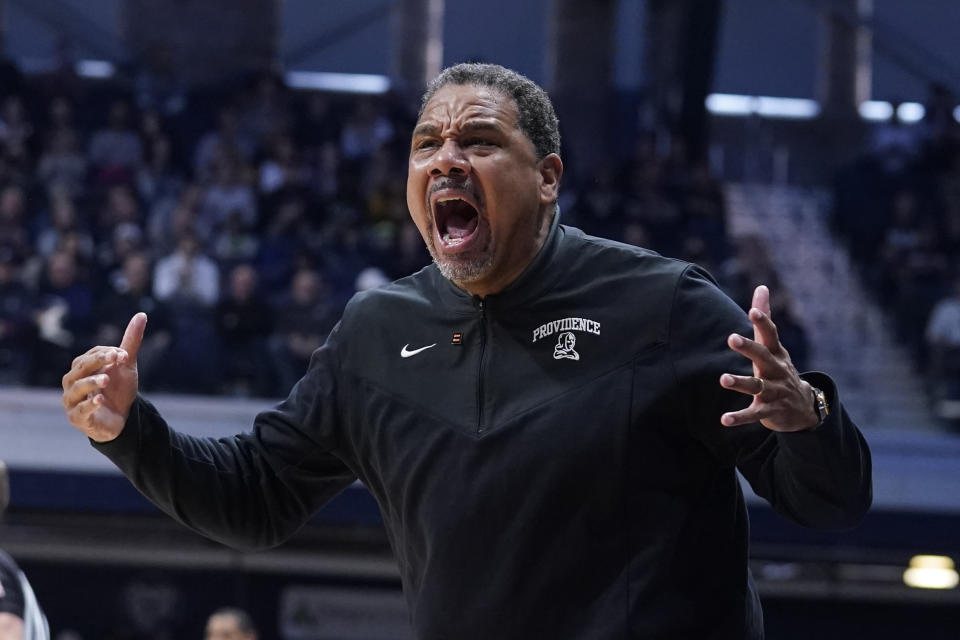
<point x="427" y="129"/>
<point x="480" y="125"/>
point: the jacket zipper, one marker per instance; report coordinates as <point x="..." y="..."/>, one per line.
<point x="483" y="347"/>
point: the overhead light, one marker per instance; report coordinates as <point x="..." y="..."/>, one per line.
<point x="910" y="112"/>
<point x="931" y="572"/>
<point x="729" y="104"/>
<point x="346" y="82"/>
<point x="876" y="110"/>
<point x="790" y="108"/>
<point x="956" y="114"/>
<point x="95" y="69"/>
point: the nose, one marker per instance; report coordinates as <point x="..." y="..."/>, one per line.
<point x="449" y="160"/>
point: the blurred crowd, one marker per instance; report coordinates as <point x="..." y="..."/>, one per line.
<point x="242" y="220"/>
<point x="898" y="208"/>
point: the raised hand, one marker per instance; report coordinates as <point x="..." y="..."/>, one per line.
<point x="101" y="385"/>
<point x="781" y="400"/>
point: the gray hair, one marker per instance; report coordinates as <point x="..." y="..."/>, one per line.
<point x="537" y="119"/>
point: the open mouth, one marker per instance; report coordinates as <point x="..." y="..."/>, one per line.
<point x="456" y="220"/>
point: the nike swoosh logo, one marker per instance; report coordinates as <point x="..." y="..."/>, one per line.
<point x="406" y="353"/>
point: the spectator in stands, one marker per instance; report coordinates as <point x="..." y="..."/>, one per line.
<point x="116" y="150"/>
<point x="16" y="130"/>
<point x="65" y="231"/>
<point x="230" y="623"/>
<point x="235" y="243"/>
<point x="244" y="324"/>
<point x="61" y="117"/>
<point x="283" y="167"/>
<point x="371" y="278"/>
<point x="17" y="330"/>
<point x="228" y="194"/>
<point x="226" y="140"/>
<point x="265" y="109"/>
<point x="120" y="206"/>
<point x="284" y="239"/>
<point x="64" y="314"/>
<point x="128" y="293"/>
<point x="317" y="123"/>
<point x="301" y="327"/>
<point x="918" y="281"/>
<point x="187" y="274"/>
<point x="62" y="166"/>
<point x="172" y="216"/>
<point x="365" y="131"/>
<point x="408" y="253"/>
<point x="126" y="240"/>
<point x="21" y="617"/>
<point x="13" y="220"/>
<point x="943" y="344"/>
<point x="188" y="281"/>
<point x="158" y="179"/>
<point x="157" y="84"/>
<point x="325" y="168"/>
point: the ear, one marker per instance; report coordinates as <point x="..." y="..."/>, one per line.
<point x="551" y="170"/>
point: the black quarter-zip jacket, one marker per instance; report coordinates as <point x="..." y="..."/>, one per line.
<point x="549" y="461"/>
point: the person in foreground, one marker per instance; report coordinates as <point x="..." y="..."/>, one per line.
<point x="20" y="616"/>
<point x="550" y="422"/>
<point x="230" y="623"/>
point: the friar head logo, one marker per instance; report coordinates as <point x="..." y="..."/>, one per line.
<point x="566" y="341"/>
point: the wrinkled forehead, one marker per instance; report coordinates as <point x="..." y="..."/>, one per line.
<point x="456" y="103"/>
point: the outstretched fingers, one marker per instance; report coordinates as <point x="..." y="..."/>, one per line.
<point x="764" y="329"/>
<point x="748" y="385"/>
<point x="753" y="413"/>
<point x="757" y="352"/>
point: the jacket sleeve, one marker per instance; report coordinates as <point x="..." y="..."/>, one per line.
<point x="817" y="478"/>
<point x="252" y="490"/>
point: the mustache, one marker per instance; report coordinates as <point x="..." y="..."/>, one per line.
<point x="455" y="184"/>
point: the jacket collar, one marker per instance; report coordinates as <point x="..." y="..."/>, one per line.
<point x="536" y="279"/>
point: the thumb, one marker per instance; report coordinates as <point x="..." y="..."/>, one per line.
<point x="133" y="336"/>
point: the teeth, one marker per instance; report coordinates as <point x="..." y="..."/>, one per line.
<point x="448" y="199"/>
<point x="448" y="239"/>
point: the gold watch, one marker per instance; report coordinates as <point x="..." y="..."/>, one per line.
<point x="820" y="404"/>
